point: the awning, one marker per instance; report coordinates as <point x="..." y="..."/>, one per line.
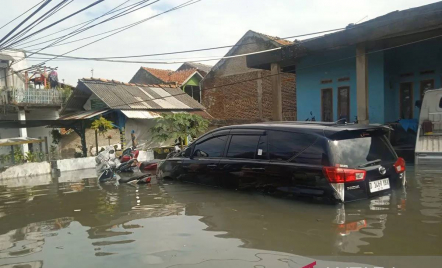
<point x="137" y="114"/>
<point x="83" y="115"/>
<point x="18" y="141"/>
<point x="133" y="114"/>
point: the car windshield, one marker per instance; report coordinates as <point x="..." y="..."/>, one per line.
<point x="358" y="152"/>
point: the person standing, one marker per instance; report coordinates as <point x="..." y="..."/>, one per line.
<point x="53" y="79"/>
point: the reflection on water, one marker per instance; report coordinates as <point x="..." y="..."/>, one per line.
<point x="76" y="222"/>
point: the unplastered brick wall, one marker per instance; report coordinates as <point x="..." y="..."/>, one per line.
<point x="248" y="96"/>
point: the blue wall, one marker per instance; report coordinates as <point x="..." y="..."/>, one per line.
<point x="410" y="59"/>
<point x="311" y="70"/>
<point x="384" y="76"/>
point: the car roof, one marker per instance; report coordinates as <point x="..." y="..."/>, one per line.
<point x="320" y="128"/>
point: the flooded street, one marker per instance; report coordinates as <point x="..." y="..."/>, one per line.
<point x="73" y="222"/>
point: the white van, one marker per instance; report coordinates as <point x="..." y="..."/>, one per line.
<point x="429" y="136"/>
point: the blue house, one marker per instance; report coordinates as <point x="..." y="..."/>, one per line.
<point x="374" y="71"/>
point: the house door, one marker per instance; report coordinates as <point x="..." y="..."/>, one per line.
<point x="406" y="100"/>
<point x="344" y="103"/>
<point x="327" y="105"/>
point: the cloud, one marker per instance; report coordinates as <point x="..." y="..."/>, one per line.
<point x="208" y="23"/>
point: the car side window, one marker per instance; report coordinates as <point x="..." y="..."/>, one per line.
<point x="261" y="153"/>
<point x="243" y="146"/>
<point x="187" y="152"/>
<point x="283" y="146"/>
<point x="213" y="147"/>
<point x="315" y="154"/>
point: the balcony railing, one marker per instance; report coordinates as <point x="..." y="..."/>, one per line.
<point x="33" y="96"/>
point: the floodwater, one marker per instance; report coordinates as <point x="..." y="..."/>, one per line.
<point x="75" y="222"/>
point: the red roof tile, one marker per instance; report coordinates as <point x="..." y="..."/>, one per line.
<point x="170" y="76"/>
<point x="278" y="40"/>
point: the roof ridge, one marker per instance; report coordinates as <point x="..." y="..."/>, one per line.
<point x="94" y="79"/>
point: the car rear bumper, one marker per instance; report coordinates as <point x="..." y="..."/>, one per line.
<point x="348" y="192"/>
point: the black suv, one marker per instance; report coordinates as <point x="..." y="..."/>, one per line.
<point x="338" y="162"/>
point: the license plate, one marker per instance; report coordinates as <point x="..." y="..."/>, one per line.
<point x="379" y="185"/>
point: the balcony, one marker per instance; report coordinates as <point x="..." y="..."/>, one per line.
<point x="34" y="97"/>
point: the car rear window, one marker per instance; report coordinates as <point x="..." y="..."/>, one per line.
<point x="358" y="151"/>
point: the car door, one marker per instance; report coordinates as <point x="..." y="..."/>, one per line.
<point x="245" y="163"/>
<point x="292" y="169"/>
<point x="202" y="166"/>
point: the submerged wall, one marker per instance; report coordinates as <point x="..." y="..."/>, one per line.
<point x="26" y="170"/>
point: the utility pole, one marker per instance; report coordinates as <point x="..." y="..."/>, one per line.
<point x="92" y="72"/>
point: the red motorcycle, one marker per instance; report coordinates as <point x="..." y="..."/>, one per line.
<point x="129" y="160"/>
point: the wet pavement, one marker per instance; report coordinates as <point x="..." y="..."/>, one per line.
<point x="75" y="222"/>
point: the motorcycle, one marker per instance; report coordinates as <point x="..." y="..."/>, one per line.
<point x="128" y="160"/>
<point x="106" y="162"/>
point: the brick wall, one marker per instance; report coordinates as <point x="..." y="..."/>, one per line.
<point x="241" y="100"/>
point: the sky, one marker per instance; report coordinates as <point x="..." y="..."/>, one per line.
<point x="208" y="23"/>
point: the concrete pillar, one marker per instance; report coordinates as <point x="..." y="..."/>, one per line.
<point x="23" y="131"/>
<point x="259" y="92"/>
<point x="362" y="84"/>
<point x="276" y="92"/>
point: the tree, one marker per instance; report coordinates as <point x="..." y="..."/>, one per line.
<point x="102" y="125"/>
<point x="175" y="126"/>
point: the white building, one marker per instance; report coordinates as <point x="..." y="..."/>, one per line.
<point x="18" y="101"/>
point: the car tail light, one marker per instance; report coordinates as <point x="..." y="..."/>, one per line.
<point x="341" y="175"/>
<point x="399" y="166"/>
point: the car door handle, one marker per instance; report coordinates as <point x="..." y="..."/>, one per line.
<point x="258" y="169"/>
<point x="212" y="166"/>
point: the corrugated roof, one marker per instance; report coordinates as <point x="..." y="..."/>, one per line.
<point x="125" y="96"/>
<point x="140" y="114"/>
<point x="150" y="115"/>
<point x="83" y="115"/>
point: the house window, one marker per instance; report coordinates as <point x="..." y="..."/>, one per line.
<point x="406" y="101"/>
<point x="327" y="105"/>
<point x="344" y="103"/>
<point x="194" y="92"/>
<point x="426" y="85"/>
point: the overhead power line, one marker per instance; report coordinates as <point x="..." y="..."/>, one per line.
<point x="42" y="18"/>
<point x="303" y="68"/>
<point x="236" y="45"/>
<point x="21" y="15"/>
<point x="185" y="4"/>
<point x="95" y="35"/>
<point x="24" y="21"/>
<point x="82" y="29"/>
<point x="59" y="21"/>
<point x="65" y="29"/>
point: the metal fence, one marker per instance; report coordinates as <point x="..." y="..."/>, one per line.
<point x="36" y="96"/>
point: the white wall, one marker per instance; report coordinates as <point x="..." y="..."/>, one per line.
<point x="142" y="133"/>
<point x="43" y="114"/>
<point x="14" y="81"/>
<point x="26" y="170"/>
<point x="76" y="163"/>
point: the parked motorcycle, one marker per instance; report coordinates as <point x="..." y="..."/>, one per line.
<point x="128" y="160"/>
<point x="106" y="164"/>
